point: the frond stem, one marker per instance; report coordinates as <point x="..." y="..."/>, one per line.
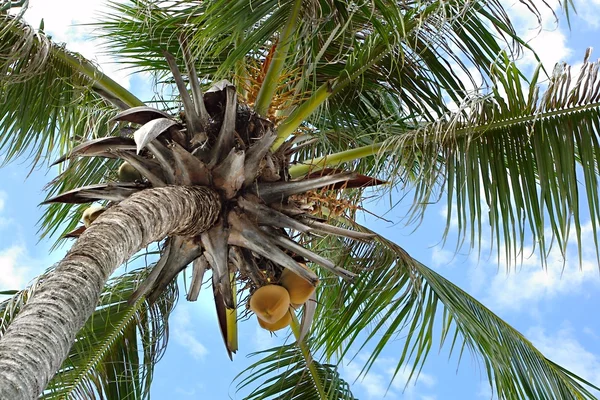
<point x="231" y="318"/>
<point x="525" y="119"/>
<point x="301" y="113"/>
<point x="100" y="79"/>
<point x="295" y="325"/>
<point x="331" y="87"/>
<point x="334" y="159"/>
<point x="267" y="90"/>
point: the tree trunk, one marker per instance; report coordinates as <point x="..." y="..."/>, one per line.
<point x="39" y="339"/>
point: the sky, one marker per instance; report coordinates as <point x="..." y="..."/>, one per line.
<point x="556" y="309"/>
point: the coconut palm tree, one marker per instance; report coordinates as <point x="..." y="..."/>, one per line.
<point x="273" y="119"/>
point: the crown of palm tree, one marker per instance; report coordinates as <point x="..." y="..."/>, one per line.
<point x="217" y="142"/>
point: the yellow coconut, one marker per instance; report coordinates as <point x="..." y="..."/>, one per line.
<point x="270" y="303"/>
<point x="90" y="214"/>
<point x="127" y="173"/>
<point x="280" y="324"/>
<point x="299" y="288"/>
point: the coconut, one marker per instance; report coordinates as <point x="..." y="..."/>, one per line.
<point x="280" y="324"/>
<point x="270" y="303"/>
<point x="127" y="173"/>
<point x="299" y="288"/>
<point x="90" y="214"/>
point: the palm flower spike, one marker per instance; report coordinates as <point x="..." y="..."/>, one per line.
<point x="220" y="143"/>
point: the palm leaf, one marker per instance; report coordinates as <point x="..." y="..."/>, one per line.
<point x="47" y="91"/>
<point x="285" y="375"/>
<point x="520" y="161"/>
<point x="396" y="296"/>
<point x="409" y="56"/>
<point x="516" y="162"/>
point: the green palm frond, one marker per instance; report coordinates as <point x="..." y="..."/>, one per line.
<point x="397" y="297"/>
<point x="568" y="6"/>
<point x="284" y="374"/>
<point x="50" y="101"/>
<point x="6" y="5"/>
<point x="519" y="161"/>
<point x="417" y="60"/>
<point x="116" y="350"/>
<point x="48" y="94"/>
<point x="414" y="53"/>
<point x="516" y="158"/>
<point x="139" y="32"/>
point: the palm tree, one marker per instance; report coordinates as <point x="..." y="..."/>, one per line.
<point x="253" y="163"/>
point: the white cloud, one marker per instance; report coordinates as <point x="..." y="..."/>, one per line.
<point x="60" y="15"/>
<point x="548" y="39"/>
<point x="382" y="381"/>
<point x="404" y="382"/>
<point x="374" y="384"/>
<point x="502" y="287"/>
<point x="263" y="339"/>
<point x="14" y="271"/>
<point x="550" y="46"/>
<point x="3" y="220"/>
<point x="531" y="283"/>
<point x="589" y="12"/>
<point x="564" y="349"/>
<point x="183" y="334"/>
<point x="485" y="392"/>
<point x="441" y="257"/>
<point x="590" y="332"/>
<point x="192" y="392"/>
<point x="443" y="212"/>
<point x="183" y="392"/>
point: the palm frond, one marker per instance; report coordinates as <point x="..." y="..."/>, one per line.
<point x="284" y="374"/>
<point x="396" y="297"/>
<point x="48" y="94"/>
<point x="115" y="352"/>
<point x="139" y="32"/>
<point x="415" y="57"/>
<point x="519" y="161"/>
<point x="412" y="55"/>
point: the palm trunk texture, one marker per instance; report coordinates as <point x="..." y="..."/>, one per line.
<point x="39" y="339"/>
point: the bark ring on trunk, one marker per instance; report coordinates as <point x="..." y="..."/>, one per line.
<point x="66" y="299"/>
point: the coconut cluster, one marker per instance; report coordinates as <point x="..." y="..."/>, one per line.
<point x="272" y="302"/>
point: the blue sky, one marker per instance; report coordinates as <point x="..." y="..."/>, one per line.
<point x="556" y="310"/>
